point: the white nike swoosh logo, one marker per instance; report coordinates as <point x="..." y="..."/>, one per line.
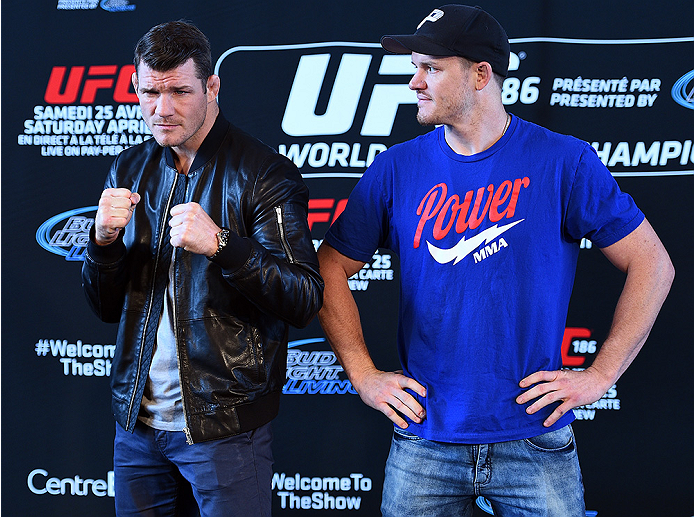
<point x="465" y="247"/>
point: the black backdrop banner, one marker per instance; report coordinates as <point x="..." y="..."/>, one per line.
<point x="310" y="79"/>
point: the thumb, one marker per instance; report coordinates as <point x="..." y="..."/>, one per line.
<point x="135" y="198"/>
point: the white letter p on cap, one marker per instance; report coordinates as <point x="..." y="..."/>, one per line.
<point x="435" y="15"/>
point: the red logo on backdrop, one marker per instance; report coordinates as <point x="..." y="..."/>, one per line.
<point x="65" y="85"/>
<point x="576" y="345"/>
<point x="325" y="210"/>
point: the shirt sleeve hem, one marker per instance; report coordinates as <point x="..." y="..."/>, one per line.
<point x="347" y="250"/>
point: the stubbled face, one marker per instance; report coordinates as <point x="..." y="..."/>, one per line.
<point x="445" y="91"/>
<point x="174" y="103"/>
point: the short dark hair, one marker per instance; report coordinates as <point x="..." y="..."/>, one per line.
<point x="169" y="45"/>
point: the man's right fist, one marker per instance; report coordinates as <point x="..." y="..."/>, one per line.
<point x="116" y="207"/>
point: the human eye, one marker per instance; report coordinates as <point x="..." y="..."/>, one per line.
<point x="182" y="90"/>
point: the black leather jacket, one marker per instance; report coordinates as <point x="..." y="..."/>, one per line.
<point x="231" y="313"/>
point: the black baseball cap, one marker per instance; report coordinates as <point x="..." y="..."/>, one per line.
<point x="456" y="30"/>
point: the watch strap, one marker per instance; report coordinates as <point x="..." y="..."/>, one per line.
<point x="222" y="240"/>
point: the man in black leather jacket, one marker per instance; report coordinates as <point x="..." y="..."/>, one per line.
<point x="201" y="251"/>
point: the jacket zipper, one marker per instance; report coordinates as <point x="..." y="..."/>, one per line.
<point x="257" y="352"/>
<point x="283" y="234"/>
<point x="186" y="429"/>
<point x="151" y="298"/>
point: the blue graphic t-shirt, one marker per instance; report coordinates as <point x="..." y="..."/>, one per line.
<point x="488" y="246"/>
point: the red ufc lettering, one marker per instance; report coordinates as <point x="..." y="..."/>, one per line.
<point x="99" y="77"/>
<point x="571" y="333"/>
<point x="123" y="92"/>
<point x="321" y="210"/>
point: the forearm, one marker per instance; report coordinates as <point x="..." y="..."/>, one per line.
<point x="645" y="289"/>
<point x="385" y="391"/>
<point x="341" y="324"/>
<point x="103" y="279"/>
<point x="271" y="258"/>
<point x="291" y="291"/>
<point x="649" y="277"/>
<point x="339" y="316"/>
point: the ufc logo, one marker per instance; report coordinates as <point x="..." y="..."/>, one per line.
<point x="300" y="118"/>
<point x="578" y="341"/>
<point x="324" y="210"/>
<point x="65" y="88"/>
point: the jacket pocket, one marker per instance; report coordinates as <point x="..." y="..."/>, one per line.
<point x="282" y="232"/>
<point x="221" y="362"/>
<point x="256" y="347"/>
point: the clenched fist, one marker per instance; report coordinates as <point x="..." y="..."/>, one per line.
<point x="193" y="230"/>
<point x="115" y="210"/>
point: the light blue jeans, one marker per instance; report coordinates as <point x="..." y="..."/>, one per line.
<point x="538" y="477"/>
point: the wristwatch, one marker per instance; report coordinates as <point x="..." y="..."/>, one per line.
<point x="222" y="239"/>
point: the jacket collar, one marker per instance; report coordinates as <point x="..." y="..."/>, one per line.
<point x="209" y="146"/>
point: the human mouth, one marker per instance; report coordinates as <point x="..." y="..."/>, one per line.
<point x="165" y="126"/>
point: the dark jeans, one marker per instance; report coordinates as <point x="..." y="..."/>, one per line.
<point x="158" y="474"/>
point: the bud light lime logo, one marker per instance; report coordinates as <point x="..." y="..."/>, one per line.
<point x="67" y="234"/>
<point x="683" y="90"/>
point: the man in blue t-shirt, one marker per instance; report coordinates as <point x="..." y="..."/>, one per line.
<point x="486" y="213"/>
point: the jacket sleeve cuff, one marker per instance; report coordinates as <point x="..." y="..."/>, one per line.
<point x="235" y="254"/>
<point x="105" y="254"/>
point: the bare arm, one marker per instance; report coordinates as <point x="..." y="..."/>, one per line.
<point x="649" y="277"/>
<point x="339" y="317"/>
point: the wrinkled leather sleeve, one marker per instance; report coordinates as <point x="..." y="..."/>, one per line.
<point x="275" y="265"/>
<point x="104" y="275"/>
<point x="270" y="258"/>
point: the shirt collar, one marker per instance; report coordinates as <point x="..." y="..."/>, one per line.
<point x="209" y="145"/>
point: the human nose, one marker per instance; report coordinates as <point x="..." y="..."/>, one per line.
<point x="165" y="106"/>
<point x="417" y="83"/>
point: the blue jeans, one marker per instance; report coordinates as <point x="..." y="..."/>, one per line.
<point x="158" y="474"/>
<point x="535" y="477"/>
